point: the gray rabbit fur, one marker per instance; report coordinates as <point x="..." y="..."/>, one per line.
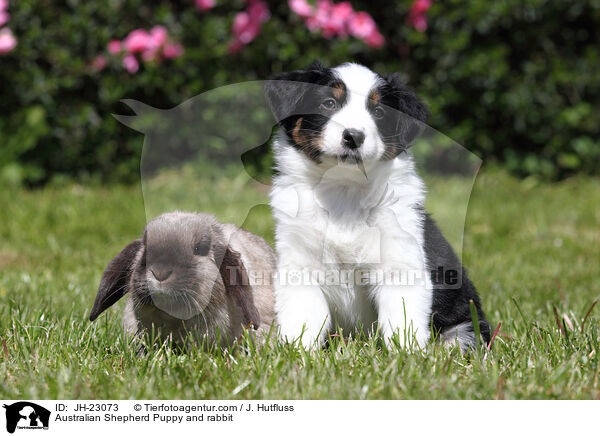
<point x="190" y="275"/>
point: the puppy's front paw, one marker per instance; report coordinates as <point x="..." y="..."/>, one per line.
<point x="302" y="315"/>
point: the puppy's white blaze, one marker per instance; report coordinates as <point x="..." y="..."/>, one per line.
<point x="357" y="78"/>
<point x="328" y="218"/>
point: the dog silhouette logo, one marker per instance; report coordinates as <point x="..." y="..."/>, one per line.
<point x="26" y="415"/>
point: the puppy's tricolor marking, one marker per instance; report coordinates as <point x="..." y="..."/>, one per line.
<point x="347" y="196"/>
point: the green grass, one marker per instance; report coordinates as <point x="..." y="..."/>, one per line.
<point x="532" y="250"/>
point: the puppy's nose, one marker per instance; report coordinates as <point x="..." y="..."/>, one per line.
<point x="353" y="138"/>
<point x="160" y="273"/>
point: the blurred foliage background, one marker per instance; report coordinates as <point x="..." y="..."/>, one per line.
<point x="515" y="81"/>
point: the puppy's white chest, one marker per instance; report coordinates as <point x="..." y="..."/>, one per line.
<point x="348" y="247"/>
<point x="357" y="245"/>
<point x="343" y="227"/>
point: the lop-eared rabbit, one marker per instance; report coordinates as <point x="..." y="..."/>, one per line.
<point x="190" y="275"/>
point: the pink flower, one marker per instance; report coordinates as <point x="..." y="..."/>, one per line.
<point x="342" y="11"/>
<point x="205" y="5"/>
<point x="4" y="18"/>
<point x="319" y="20"/>
<point x="375" y="39"/>
<point x="420" y="6"/>
<point x="131" y="64"/>
<point x="246" y="25"/>
<point x="137" y="41"/>
<point x="158" y="36"/>
<point x="3" y="5"/>
<point x="418" y="21"/>
<point x="235" y="46"/>
<point x="7" y="41"/>
<point x="149" y="55"/>
<point x="244" y="29"/>
<point x="99" y="63"/>
<point x="337" y="20"/>
<point x="258" y="11"/>
<point x="301" y="7"/>
<point x="152" y="46"/>
<point x="240" y="21"/>
<point x="333" y="28"/>
<point x="417" y="17"/>
<point x="361" y="25"/>
<point x="114" y="47"/>
<point x="172" y="51"/>
<point x="324" y="6"/>
<point x="249" y="33"/>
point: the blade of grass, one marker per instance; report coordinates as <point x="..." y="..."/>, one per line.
<point x="514" y="300"/>
<point x="494" y="336"/>
<point x="558" y="321"/>
<point x="5" y="348"/>
<point x="587" y="314"/>
<point x="568" y="322"/>
<point x="565" y="330"/>
<point x="525" y="322"/>
<point x="475" y="321"/>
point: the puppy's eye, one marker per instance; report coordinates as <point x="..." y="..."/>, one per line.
<point x="202" y="248"/>
<point x="378" y="112"/>
<point x="329" y="103"/>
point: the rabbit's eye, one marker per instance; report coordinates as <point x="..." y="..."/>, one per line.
<point x="202" y="248"/>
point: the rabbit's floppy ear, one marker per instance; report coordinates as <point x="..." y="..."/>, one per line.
<point x="115" y="279"/>
<point x="235" y="278"/>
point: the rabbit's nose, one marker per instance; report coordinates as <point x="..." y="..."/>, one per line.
<point x="160" y="273"/>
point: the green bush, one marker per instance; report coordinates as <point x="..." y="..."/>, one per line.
<point x="514" y="81"/>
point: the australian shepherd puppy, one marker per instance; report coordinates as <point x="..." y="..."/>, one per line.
<point x="356" y="249"/>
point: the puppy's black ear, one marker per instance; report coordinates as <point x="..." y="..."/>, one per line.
<point x="115" y="279"/>
<point x="408" y="102"/>
<point x="414" y="112"/>
<point x="235" y="278"/>
<point x="285" y="91"/>
<point x="315" y="65"/>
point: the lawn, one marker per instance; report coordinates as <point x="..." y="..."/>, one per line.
<point x="532" y="249"/>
